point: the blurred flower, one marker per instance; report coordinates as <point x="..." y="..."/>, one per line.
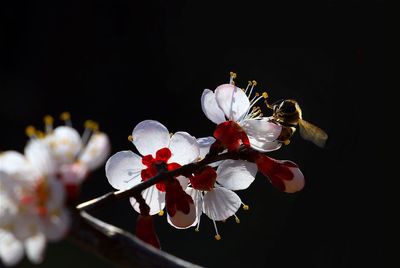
<point x="230" y="103"/>
<point x="75" y="156"/>
<point x="161" y="151"/>
<point x="31" y="203"/>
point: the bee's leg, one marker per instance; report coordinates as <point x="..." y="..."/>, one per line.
<point x="286" y="142"/>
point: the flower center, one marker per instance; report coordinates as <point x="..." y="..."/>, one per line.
<point x="157" y="165"/>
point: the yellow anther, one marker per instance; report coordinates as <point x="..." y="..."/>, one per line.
<point x="257" y="94"/>
<point x="249" y="82"/>
<point x="246" y="207"/>
<point x="254" y="82"/>
<point x="217" y="237"/>
<point x="161" y="213"/>
<point x="232" y="74"/>
<point x="88" y="124"/>
<point x="237" y="219"/>
<point x="48" y="120"/>
<point x="265" y="95"/>
<point x="30" y="131"/>
<point x="40" y="134"/>
<point x="95" y="126"/>
<point x="65" y="116"/>
<point x="286" y="142"/>
<point x="130" y="138"/>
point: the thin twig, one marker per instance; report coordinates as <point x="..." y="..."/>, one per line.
<point x="111" y="197"/>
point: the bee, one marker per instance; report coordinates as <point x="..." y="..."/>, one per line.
<point x="288" y="114"/>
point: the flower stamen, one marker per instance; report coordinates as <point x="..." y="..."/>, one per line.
<point x="66" y="117"/>
<point x="217" y="236"/>
<point x="48" y="122"/>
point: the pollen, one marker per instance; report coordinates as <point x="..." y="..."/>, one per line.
<point x="65" y="116"/>
<point x="265" y="95"/>
<point x="233" y="75"/>
<point x="217" y="237"/>
<point x="161" y="213"/>
<point x="48" y="120"/>
<point x="130" y="138"/>
<point x="245" y="207"/>
<point x="88" y="124"/>
<point x="237" y="219"/>
<point x="286" y="142"/>
<point x="254" y="82"/>
<point x="30" y="131"/>
<point x="40" y="134"/>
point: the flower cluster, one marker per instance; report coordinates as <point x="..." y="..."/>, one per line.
<point x="35" y="186"/>
<point x="241" y="130"/>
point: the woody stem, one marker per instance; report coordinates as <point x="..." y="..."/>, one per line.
<point x="111" y="197"/>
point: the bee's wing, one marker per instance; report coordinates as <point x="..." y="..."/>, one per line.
<point x="312" y="133"/>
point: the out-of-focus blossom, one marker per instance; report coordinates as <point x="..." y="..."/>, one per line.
<point x="32" y="208"/>
<point x="75" y="156"/>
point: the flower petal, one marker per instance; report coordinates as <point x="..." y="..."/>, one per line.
<point x="210" y="107"/>
<point x="297" y="183"/>
<point x="149" y="136"/>
<point x="35" y="247"/>
<point x="56" y="225"/>
<point x="56" y="196"/>
<point x="232" y="100"/>
<point x="261" y="129"/>
<point x="65" y="143"/>
<point x="39" y="155"/>
<point x="197" y="199"/>
<point x="123" y="170"/>
<point x="11" y="249"/>
<point x="153" y="197"/>
<point x="96" y="151"/>
<point x="236" y="174"/>
<point x="184" y="148"/>
<point x="220" y="204"/>
<point x="204" y="145"/>
<point x="181" y="220"/>
<point x="16" y="165"/>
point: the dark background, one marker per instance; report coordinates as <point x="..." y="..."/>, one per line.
<point x="120" y="62"/>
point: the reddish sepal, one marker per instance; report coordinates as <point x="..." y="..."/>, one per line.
<point x="231" y="135"/>
<point x="146" y="232"/>
<point x="176" y="198"/>
<point x="204" y="179"/>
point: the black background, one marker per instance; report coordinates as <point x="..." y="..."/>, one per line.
<point x="120" y="62"/>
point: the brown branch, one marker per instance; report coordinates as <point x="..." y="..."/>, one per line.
<point x="111" y="197"/>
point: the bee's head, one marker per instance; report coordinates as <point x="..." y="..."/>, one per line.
<point x="287" y="111"/>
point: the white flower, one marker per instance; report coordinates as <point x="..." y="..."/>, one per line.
<point x="76" y="155"/>
<point x="221" y="202"/>
<point x="229" y="102"/>
<point x="32" y="200"/>
<point x="160" y="150"/>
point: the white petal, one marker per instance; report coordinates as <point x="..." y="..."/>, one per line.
<point x="35" y="247"/>
<point x="96" y="151"/>
<point x="11" y="249"/>
<point x="153" y="197"/>
<point x="261" y="129"/>
<point x="262" y="134"/>
<point x="181" y="220"/>
<point x="123" y="170"/>
<point x="236" y="174"/>
<point x="232" y="100"/>
<point x="211" y="108"/>
<point x="8" y="208"/>
<point x="15" y="164"/>
<point x="183" y="181"/>
<point x="56" y="225"/>
<point x="39" y="155"/>
<point x="149" y="136"/>
<point x="184" y="148"/>
<point x="220" y="204"/>
<point x="198" y="202"/>
<point x="73" y="173"/>
<point x="297" y="183"/>
<point x="56" y="196"/>
<point x="65" y="143"/>
<point x="204" y="145"/>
